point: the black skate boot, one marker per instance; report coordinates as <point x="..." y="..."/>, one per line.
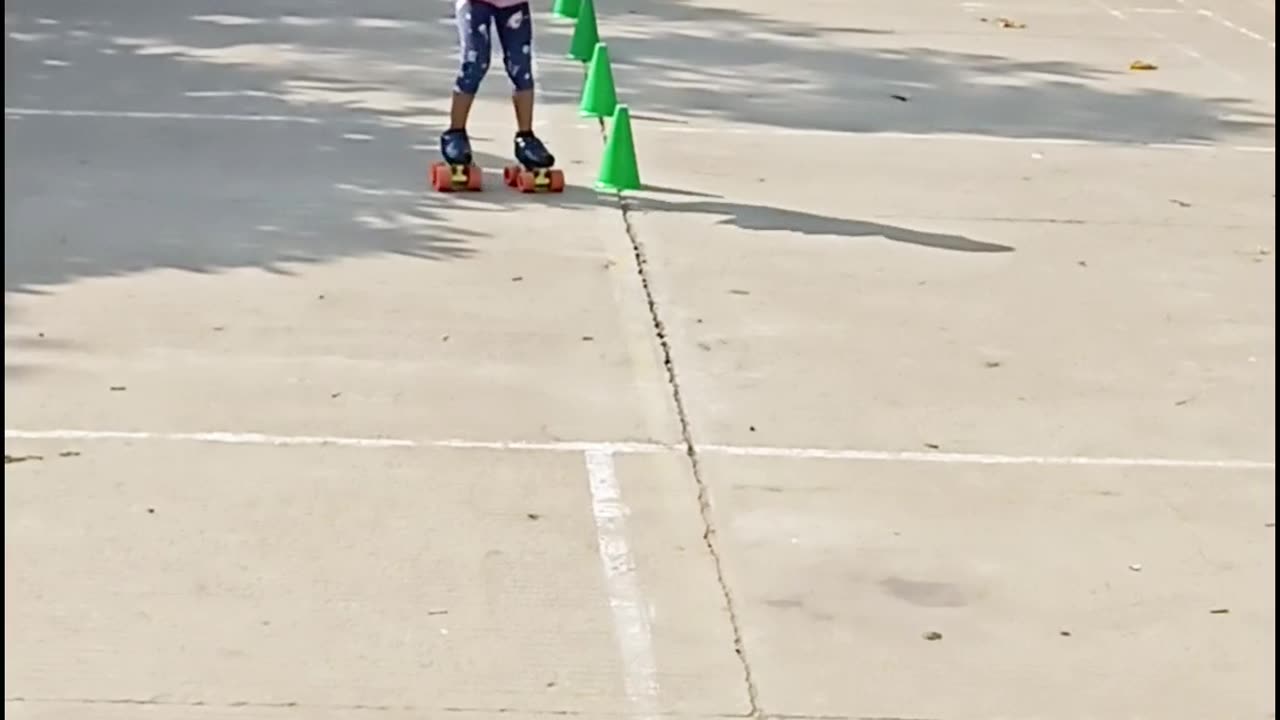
<point x="531" y="153"/>
<point x="458" y="171"/>
<point x="536" y="169"/>
<point x="455" y="147"/>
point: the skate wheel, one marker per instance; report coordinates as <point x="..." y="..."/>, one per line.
<point x="475" y="179"/>
<point x="526" y="182"/>
<point x="510" y="174"/>
<point x="441" y="179"/>
<point x="557" y="181"/>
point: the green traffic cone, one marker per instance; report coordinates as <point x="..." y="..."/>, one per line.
<point x="567" y="9"/>
<point x="585" y="32"/>
<point x="618" y="169"/>
<point x="599" y="97"/>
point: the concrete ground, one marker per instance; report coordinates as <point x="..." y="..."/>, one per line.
<point x="932" y="374"/>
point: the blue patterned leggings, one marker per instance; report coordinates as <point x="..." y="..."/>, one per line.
<point x="475" y="18"/>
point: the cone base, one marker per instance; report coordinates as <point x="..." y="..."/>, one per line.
<point x="608" y="187"/>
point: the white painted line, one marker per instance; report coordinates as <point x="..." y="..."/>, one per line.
<point x="630" y="613"/>
<point x="243" y="438"/>
<point x="1202" y="12"/>
<point x="222" y="438"/>
<point x="147" y="115"/>
<point x="651" y="127"/>
<point x="948" y="458"/>
<point x="628" y="448"/>
<point x="1181" y="47"/>
<point x="640" y="448"/>
<point x="366" y="120"/>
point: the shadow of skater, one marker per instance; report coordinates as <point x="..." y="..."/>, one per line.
<point x="757" y="217"/>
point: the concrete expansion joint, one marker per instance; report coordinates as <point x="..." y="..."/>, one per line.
<point x="691" y="451"/>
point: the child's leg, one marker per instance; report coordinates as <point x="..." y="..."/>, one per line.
<point x="473" y="19"/>
<point x="515" y="31"/>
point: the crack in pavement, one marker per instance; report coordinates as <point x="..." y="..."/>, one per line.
<point x="690" y="447"/>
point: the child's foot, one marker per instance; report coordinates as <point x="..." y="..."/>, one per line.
<point x="455" y="146"/>
<point x="531" y="153"/>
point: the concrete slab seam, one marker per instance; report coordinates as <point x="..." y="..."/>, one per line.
<point x="626" y="602"/>
<point x="959" y="137"/>
<point x="644" y="448"/>
<point x="690" y="447"/>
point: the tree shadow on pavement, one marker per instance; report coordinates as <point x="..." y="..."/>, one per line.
<point x="117" y="199"/>
<point x="361" y="94"/>
<point x="690" y="61"/>
<point x="260" y="135"/>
